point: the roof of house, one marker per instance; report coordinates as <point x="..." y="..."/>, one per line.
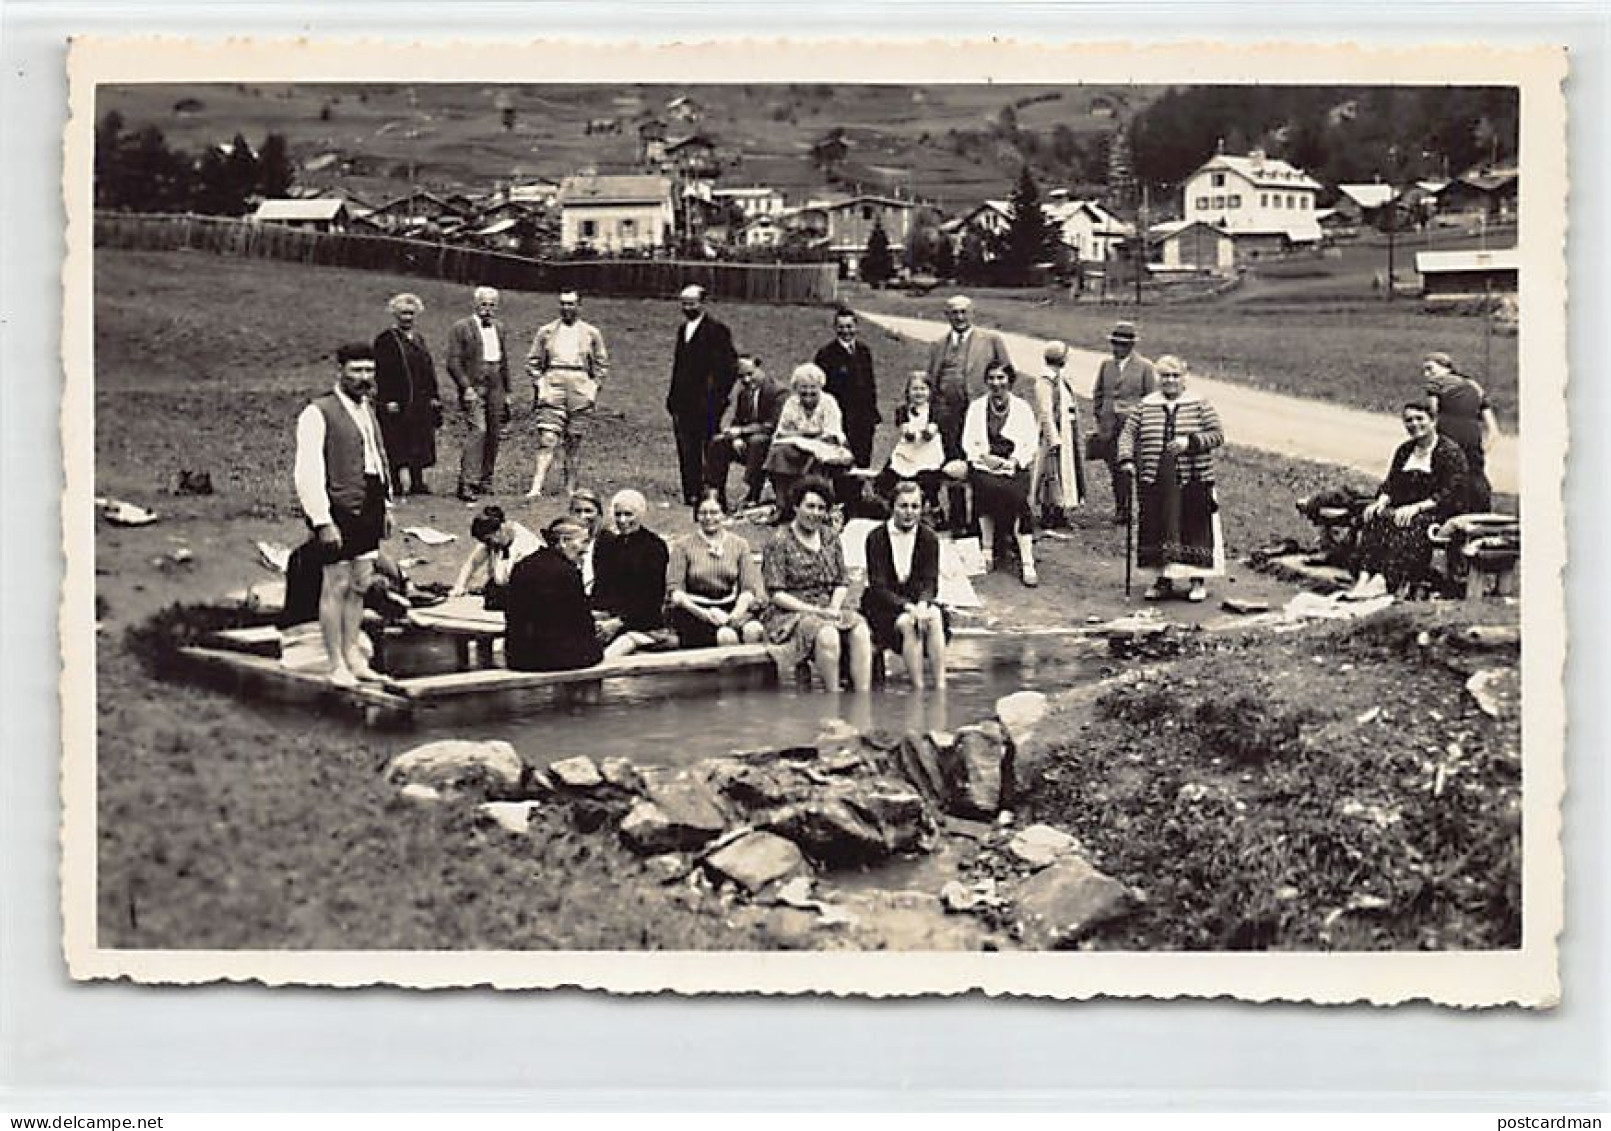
<point x="310" y="210"/>
<point x="1367" y="196"/>
<point x="1436" y="262"/>
<point x="1265" y="172"/>
<point x="755" y="192"/>
<point x="1484" y="182"/>
<point x="1304" y="229"/>
<point x="692" y="141"/>
<point x="636" y="188"/>
<point x="1062" y="211"/>
<point x="1171" y="228"/>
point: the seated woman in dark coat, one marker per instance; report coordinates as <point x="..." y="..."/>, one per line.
<point x="629" y="587"/>
<point x="548" y="625"/>
<point x="903" y="580"/>
<point x="1425" y="484"/>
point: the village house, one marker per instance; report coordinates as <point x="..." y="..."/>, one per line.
<point x="310" y="215"/>
<point x="1262" y="202"/>
<point x="753" y="201"/>
<point x="615" y="213"/>
<point x="1087" y="228"/>
<point x="1365" y="203"/>
<point x="1191" y="245"/>
<point x="693" y="158"/>
<point x="534" y="190"/>
<point x="844" y="225"/>
<point x="1456" y="275"/>
<point x="1489" y="195"/>
<point x="762" y="231"/>
<point x="415" y="210"/>
<point x="684" y="109"/>
<point x="652" y="142"/>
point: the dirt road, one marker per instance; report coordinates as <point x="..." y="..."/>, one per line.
<point x="1271" y="422"/>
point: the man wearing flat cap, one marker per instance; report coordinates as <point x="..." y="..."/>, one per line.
<point x="704" y="368"/>
<point x="1121" y="382"/>
<point x="958" y="363"/>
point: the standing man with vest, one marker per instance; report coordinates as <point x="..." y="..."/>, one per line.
<point x="567" y="365"/>
<point x="958" y="363"/>
<point x="848" y="364"/>
<point x="478" y="362"/>
<point x="1121" y="382"/>
<point x="342" y="482"/>
<point x="703" y="369"/>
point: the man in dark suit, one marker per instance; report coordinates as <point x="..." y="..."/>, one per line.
<point x="1121" y="382"/>
<point x="958" y="363"/>
<point x="757" y="404"/>
<point x="703" y="370"/>
<point x="849" y="366"/>
<point x="478" y="362"/>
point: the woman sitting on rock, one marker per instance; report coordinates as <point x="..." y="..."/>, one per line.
<point x="713" y="585"/>
<point x="629" y="590"/>
<point x="548" y="624"/>
<point x="501" y="544"/>
<point x="1425" y="484"/>
<point x="803" y="569"/>
<point x="903" y="580"/>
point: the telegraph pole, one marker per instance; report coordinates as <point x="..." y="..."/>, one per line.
<point x="1141" y="241"/>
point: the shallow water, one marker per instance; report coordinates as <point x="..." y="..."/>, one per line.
<point x="673" y="722"/>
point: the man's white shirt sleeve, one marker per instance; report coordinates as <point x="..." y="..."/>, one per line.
<point x="309" y="473"/>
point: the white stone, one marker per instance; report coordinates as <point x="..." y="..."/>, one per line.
<point x="512" y="815"/>
<point x="1020" y="713"/>
<point x="1040" y="845"/>
<point x="757" y="859"/>
<point x="577" y="773"/>
<point x="452" y="760"/>
<point x="414" y="791"/>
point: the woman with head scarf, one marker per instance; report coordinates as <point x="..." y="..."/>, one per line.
<point x="501" y="544"/>
<point x="1168" y="444"/>
<point x="713" y="585"/>
<point x="406" y="395"/>
<point x="1000" y="442"/>
<point x="629" y="588"/>
<point x="548" y="625"/>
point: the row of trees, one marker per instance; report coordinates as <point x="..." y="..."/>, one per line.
<point x="141" y="172"/>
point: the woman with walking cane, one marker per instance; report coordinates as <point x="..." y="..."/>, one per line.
<point x="1168" y="443"/>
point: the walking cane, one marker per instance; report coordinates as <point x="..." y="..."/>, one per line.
<point x="1129" y="521"/>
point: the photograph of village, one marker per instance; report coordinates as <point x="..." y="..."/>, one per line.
<point x="806" y="516"/>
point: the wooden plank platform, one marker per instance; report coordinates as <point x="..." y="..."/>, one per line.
<point x="261" y="674"/>
<point x="488" y="680"/>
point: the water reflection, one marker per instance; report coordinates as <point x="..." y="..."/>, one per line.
<point x="678" y="721"/>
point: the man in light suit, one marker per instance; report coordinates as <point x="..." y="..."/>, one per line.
<point x="478" y="362"/>
<point x="703" y="369"/>
<point x="568" y="365"/>
<point x="1121" y="382"/>
<point x="958" y="363"/>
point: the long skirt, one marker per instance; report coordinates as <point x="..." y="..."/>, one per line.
<point x="692" y="632"/>
<point x="1003" y="498"/>
<point x="1399" y="553"/>
<point x="1179" y="531"/>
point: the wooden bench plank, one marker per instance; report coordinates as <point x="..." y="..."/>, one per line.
<point x="455" y="684"/>
<point x="262" y="671"/>
<point x="261" y="640"/>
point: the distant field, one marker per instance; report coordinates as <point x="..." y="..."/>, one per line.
<point x="450" y="135"/>
<point x="1359" y="351"/>
<point x="202" y="362"/>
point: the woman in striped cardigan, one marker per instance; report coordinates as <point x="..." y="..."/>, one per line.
<point x="1168" y="442"/>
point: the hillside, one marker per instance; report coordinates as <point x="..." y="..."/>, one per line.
<point x="938" y="141"/>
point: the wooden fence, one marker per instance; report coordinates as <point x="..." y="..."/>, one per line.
<point x="813" y="283"/>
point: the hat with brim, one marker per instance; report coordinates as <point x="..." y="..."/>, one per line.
<point x="1123" y="332"/>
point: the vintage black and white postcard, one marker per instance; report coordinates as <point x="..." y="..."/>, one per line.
<point x="847" y="517"/>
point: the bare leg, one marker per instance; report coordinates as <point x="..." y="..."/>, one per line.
<point x="332" y="620"/>
<point x="911" y="648"/>
<point x="826" y="659"/>
<point x="623" y="645"/>
<point x="987" y="539"/>
<point x="861" y="658"/>
<point x="933" y="631"/>
<point x="573" y="463"/>
<point x="726" y="637"/>
<point x="752" y="632"/>
<point x="352" y="620"/>
<point x="547" y="442"/>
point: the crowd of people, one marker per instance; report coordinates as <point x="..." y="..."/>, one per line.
<point x="973" y="454"/>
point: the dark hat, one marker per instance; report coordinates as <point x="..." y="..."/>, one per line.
<point x="354" y="351"/>
<point x="1123" y="332"/>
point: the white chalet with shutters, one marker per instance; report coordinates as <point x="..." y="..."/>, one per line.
<point x="1253" y="195"/>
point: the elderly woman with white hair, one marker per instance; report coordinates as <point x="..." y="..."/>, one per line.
<point x="629" y="586"/>
<point x="406" y="395"/>
<point x="1168" y="443"/>
<point x="810" y="435"/>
